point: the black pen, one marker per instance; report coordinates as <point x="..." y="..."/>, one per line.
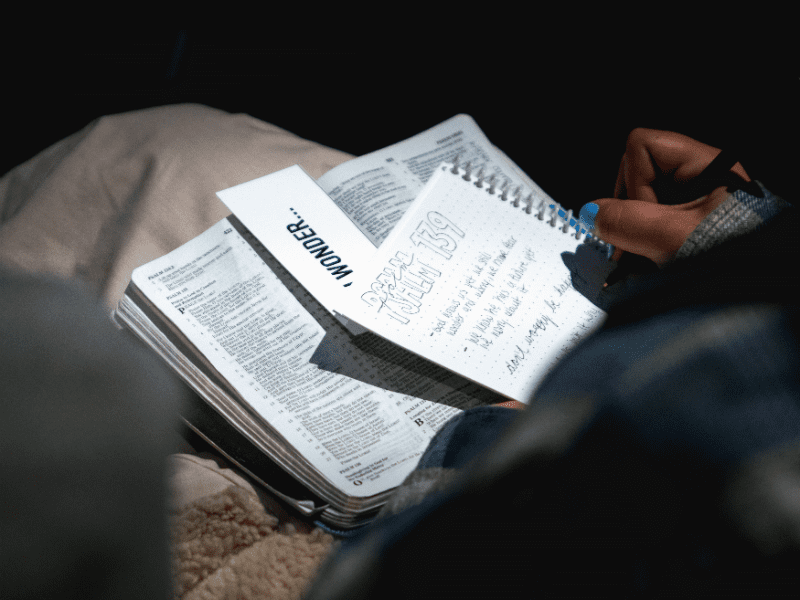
<point x="718" y="173"/>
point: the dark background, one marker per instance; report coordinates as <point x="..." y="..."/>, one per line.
<point x="564" y="121"/>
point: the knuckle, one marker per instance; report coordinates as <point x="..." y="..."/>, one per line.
<point x="637" y="137"/>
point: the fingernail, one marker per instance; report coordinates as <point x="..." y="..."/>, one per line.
<point x="588" y="214"/>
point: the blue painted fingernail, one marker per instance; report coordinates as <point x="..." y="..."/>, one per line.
<point x="588" y="214"/>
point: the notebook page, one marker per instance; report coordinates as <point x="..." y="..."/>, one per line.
<point x="480" y="287"/>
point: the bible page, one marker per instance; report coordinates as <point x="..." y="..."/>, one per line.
<point x="375" y="190"/>
<point x="362" y="432"/>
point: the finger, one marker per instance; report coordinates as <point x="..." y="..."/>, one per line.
<point x="673" y="153"/>
<point x="620" y="190"/>
<point x="739" y="170"/>
<point x="648" y="229"/>
<point x="651" y="153"/>
<point x="640" y="172"/>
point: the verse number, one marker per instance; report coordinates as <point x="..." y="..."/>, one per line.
<point x="435" y="234"/>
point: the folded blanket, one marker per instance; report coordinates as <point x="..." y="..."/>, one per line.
<point x="226" y="546"/>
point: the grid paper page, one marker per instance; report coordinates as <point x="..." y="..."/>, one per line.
<point x="481" y="287"/>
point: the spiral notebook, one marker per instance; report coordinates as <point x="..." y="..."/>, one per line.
<point x="494" y="284"/>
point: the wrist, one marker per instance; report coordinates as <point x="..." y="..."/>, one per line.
<point x="736" y="214"/>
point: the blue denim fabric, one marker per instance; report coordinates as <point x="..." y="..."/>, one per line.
<point x="680" y="401"/>
<point x="467" y="435"/>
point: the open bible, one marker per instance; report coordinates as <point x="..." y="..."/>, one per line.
<point x="251" y="315"/>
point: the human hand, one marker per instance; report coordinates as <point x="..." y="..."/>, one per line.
<point x="635" y="220"/>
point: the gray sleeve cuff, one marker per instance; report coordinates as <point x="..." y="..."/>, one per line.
<point x="740" y="213"/>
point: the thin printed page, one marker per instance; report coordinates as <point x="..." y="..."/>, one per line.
<point x="362" y="438"/>
<point x="376" y="189"/>
<point x="480" y="287"/>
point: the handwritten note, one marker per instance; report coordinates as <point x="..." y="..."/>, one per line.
<point x="477" y="285"/>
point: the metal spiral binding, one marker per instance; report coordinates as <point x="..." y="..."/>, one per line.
<point x="554" y="218"/>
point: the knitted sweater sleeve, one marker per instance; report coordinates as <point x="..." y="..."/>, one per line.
<point x="739" y="213"/>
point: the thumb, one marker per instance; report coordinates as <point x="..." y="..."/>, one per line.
<point x="648" y="229"/>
